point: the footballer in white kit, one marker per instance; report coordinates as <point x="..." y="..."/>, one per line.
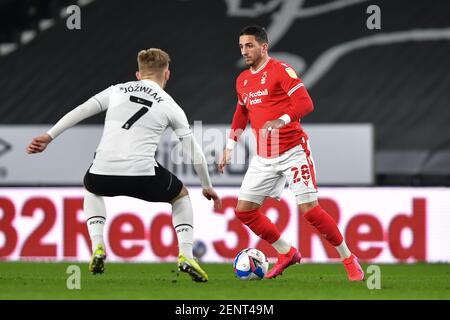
<point x="137" y="113"/>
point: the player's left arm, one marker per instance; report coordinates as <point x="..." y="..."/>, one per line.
<point x="94" y="105"/>
<point x="301" y="104"/>
<point x="179" y="123"/>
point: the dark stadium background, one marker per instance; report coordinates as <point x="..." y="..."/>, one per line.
<point x="402" y="88"/>
<point x="395" y="78"/>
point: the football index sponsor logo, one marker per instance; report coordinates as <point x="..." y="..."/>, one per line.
<point x="256" y="97"/>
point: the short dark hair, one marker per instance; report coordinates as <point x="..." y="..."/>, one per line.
<point x="257" y="31"/>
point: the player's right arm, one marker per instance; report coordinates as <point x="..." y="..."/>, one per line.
<point x="301" y="103"/>
<point x="238" y="125"/>
<point x="94" y="105"/>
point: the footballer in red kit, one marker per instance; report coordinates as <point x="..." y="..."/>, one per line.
<point x="274" y="99"/>
<point x="265" y="94"/>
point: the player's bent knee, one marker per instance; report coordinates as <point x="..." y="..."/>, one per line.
<point x="184" y="192"/>
<point x="246" y="217"/>
<point x="305" y="207"/>
<point x="251" y="219"/>
<point x="259" y="224"/>
<point x="306" y="198"/>
<point x="244" y="205"/>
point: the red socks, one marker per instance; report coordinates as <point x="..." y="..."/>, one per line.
<point x="259" y="224"/>
<point x="317" y="217"/>
<point x="325" y="224"/>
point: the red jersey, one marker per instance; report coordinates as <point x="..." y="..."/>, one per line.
<point x="267" y="94"/>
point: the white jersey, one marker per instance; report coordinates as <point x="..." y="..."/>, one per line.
<point x="137" y="113"/>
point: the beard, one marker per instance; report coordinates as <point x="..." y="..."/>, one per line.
<point x="249" y="62"/>
<point x="252" y="61"/>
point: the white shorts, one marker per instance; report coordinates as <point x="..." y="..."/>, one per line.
<point x="267" y="177"/>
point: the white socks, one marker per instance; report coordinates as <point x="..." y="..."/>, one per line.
<point x="183" y="222"/>
<point x="182" y="218"/>
<point x="95" y="211"/>
<point x="343" y="250"/>
<point x="282" y="246"/>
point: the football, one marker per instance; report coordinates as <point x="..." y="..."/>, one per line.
<point x="199" y="249"/>
<point x="250" y="264"/>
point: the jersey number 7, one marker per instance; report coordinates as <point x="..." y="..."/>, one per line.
<point x="127" y="125"/>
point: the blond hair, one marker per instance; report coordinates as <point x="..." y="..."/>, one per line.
<point x="152" y="62"/>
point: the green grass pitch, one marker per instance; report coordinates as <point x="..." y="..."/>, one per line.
<point x="161" y="281"/>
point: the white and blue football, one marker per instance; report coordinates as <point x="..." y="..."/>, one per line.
<point x="250" y="264"/>
<point x="199" y="249"/>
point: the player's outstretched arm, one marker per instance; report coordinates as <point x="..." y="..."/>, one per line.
<point x="179" y="123"/>
<point x="195" y="153"/>
<point x="91" y="107"/>
<point x="38" y="144"/>
<point x="210" y="193"/>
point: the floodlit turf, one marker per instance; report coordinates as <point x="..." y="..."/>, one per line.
<point x="20" y="280"/>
